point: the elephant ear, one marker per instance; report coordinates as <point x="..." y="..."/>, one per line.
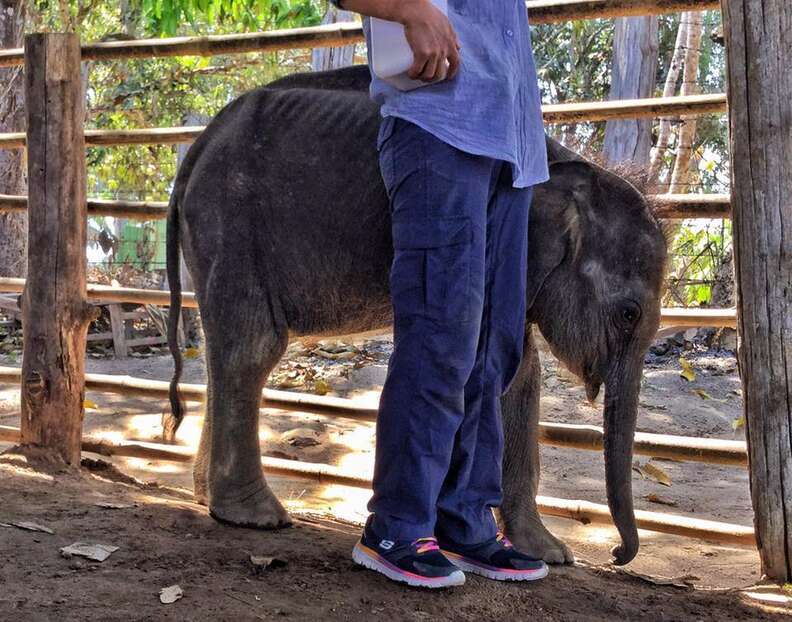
<point x="558" y="211"/>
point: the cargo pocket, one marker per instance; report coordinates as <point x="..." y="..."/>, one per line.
<point x="430" y="275"/>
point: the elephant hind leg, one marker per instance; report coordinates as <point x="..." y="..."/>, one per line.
<point x="243" y="343"/>
<point x="519" y="514"/>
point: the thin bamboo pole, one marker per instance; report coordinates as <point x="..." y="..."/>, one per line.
<point x="553" y="113"/>
<point x="669" y="206"/>
<point x="342" y="34"/>
<point x="583" y="511"/>
<point x="711" y="451"/>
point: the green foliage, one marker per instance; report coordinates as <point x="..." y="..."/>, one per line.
<point x="166" y="16"/>
<point x="700" y="251"/>
<point x="573" y="64"/>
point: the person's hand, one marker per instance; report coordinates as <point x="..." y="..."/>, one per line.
<point x="432" y="40"/>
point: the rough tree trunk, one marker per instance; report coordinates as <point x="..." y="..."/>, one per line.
<point x="55" y="313"/>
<point x="13" y="227"/>
<point x="759" y="44"/>
<point x="634" y="70"/>
<point x="680" y="175"/>
<point x="323" y="59"/>
<point x="665" y="129"/>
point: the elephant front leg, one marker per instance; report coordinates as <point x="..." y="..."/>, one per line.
<point x="520" y="412"/>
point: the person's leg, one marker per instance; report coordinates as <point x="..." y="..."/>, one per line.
<point x="473" y="485"/>
<point x="439" y="199"/>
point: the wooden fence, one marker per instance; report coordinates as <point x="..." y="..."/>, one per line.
<point x="58" y="209"/>
<point x="338" y="35"/>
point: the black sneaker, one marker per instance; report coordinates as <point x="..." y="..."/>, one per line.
<point x="495" y="558"/>
<point x="418" y="563"/>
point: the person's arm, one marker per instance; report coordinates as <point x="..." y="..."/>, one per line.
<point x="429" y="33"/>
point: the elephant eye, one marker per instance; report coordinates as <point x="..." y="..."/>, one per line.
<point x="630" y="312"/>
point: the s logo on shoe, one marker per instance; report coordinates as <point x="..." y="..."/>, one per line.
<point x="386" y="544"/>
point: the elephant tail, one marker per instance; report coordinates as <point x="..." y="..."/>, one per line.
<point x="172" y="421"/>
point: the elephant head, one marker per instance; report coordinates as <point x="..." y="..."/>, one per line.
<point x="596" y="269"/>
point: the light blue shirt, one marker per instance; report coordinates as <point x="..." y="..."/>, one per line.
<point x="492" y="107"/>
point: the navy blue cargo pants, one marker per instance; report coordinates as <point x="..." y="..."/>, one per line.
<point x="458" y="284"/>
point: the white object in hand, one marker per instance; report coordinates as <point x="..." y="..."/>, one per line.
<point x="391" y="55"/>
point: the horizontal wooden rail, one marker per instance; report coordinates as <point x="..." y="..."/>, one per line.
<point x="587" y="512"/>
<point x="106" y="293"/>
<point x="328" y="35"/>
<point x="583" y="511"/>
<point x="669" y="316"/>
<point x="553" y="114"/>
<point x="336" y="35"/>
<point x="683" y="206"/>
<point x="650" y="107"/>
<point x="137" y="210"/>
<point x="97" y="138"/>
<point x="691" y="318"/>
<point x="669" y="206"/>
<point x="554" y="11"/>
<point x="588" y="437"/>
<point x="685" y="448"/>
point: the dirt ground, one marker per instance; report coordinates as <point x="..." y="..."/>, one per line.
<point x="164" y="539"/>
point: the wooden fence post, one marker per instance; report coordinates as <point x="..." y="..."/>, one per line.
<point x="118" y="328"/>
<point x="759" y="44"/>
<point x="55" y="313"/>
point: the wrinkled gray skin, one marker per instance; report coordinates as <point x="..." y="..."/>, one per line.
<point x="284" y="223"/>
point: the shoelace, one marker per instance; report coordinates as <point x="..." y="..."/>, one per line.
<point x="425" y="545"/>
<point x="501" y="537"/>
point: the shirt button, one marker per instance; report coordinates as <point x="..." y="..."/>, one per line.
<point x="509" y="32"/>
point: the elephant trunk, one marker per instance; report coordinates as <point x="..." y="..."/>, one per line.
<point x="621" y="409"/>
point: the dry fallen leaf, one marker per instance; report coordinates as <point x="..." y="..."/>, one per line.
<point x="28" y="526"/>
<point x="113" y="506"/>
<point x="89" y="404"/>
<point x="738" y="423"/>
<point x="95" y="552"/>
<point x="170" y="594"/>
<point x="191" y="353"/>
<point x="687" y="369"/>
<point x="321" y="386"/>
<point x="653" y="498"/>
<point x="261" y="563"/>
<point x="657" y="474"/>
<point x="684" y="582"/>
<point x="336" y="356"/>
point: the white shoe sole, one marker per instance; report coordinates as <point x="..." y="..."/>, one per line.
<point x="496" y="574"/>
<point x="364" y="556"/>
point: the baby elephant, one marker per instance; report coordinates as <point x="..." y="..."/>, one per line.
<point x="285" y="227"/>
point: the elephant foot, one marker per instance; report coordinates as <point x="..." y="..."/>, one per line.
<point x="259" y="510"/>
<point x="533" y="538"/>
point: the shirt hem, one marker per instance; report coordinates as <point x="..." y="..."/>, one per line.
<point x="522" y="181"/>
